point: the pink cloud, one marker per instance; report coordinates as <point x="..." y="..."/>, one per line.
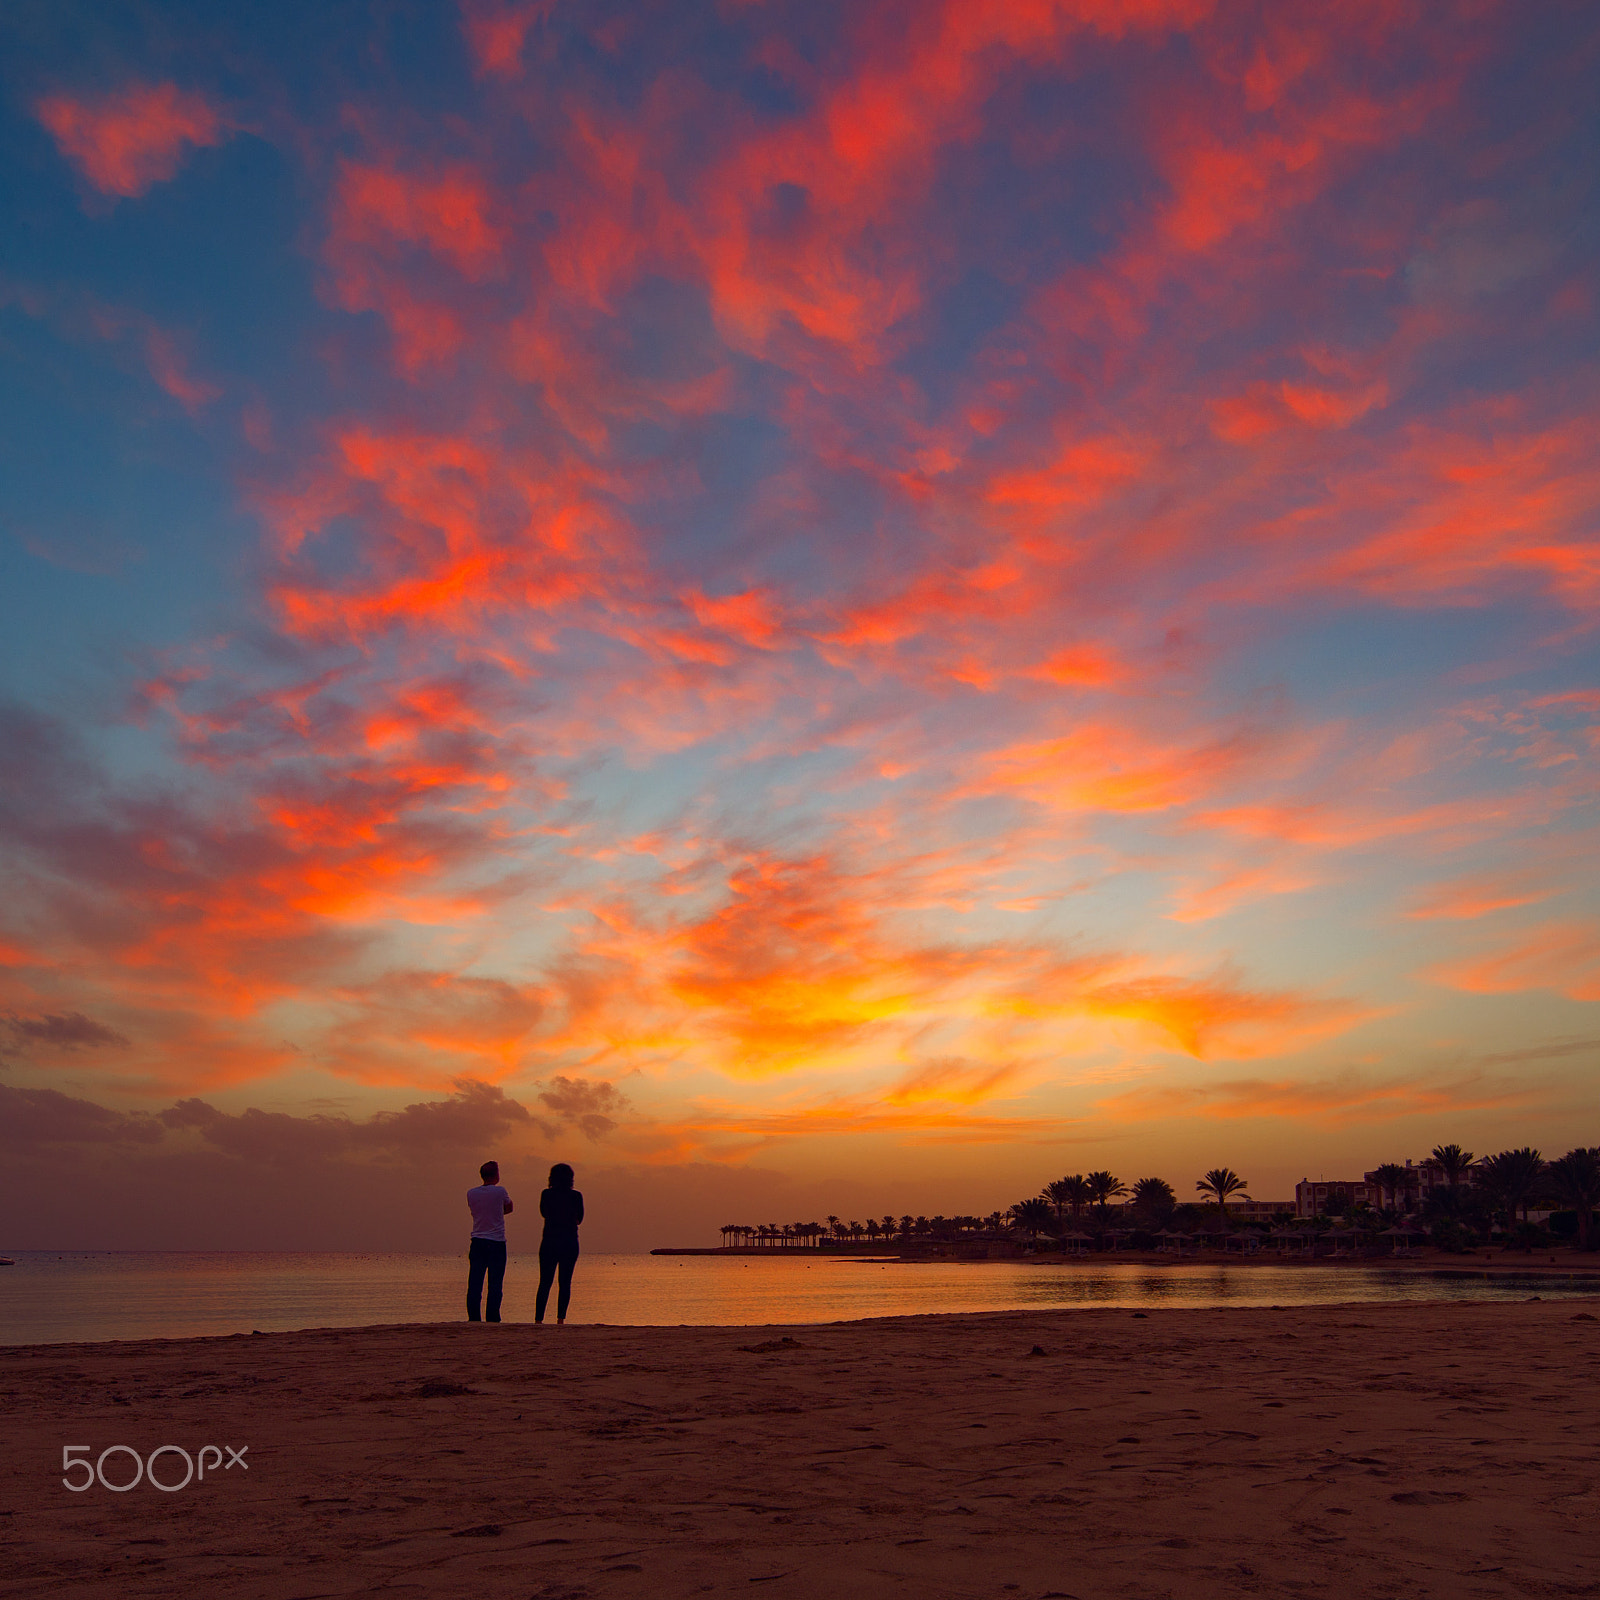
<point x="125" y="141"/>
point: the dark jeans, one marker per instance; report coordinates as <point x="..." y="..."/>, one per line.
<point x="485" y="1255"/>
<point x="554" y="1258"/>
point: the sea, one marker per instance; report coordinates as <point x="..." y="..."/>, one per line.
<point x="53" y="1297"/>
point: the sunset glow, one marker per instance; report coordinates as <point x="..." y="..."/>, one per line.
<point x="880" y="599"/>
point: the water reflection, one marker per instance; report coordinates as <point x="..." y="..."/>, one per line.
<point x="51" y="1297"/>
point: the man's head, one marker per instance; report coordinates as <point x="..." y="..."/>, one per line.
<point x="490" y="1172"/>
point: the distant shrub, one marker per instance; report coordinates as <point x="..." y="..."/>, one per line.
<point x="1451" y="1236"/>
<point x="1563" y="1224"/>
<point x="1140" y="1240"/>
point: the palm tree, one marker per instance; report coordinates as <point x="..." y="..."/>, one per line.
<point x="1512" y="1176"/>
<point x="1075" y="1193"/>
<point x="1576" y="1179"/>
<point x="1103" y="1189"/>
<point x="872" y="1229"/>
<point x="906" y="1225"/>
<point x="1390" y="1179"/>
<point x="1155" y="1198"/>
<point x="887" y="1226"/>
<point x="1220" y="1183"/>
<point x="1032" y="1216"/>
<point x="1454" y="1160"/>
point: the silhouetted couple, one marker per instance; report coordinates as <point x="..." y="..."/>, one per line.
<point x="560" y="1205"/>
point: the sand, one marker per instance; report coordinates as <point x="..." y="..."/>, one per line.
<point x="1360" y="1451"/>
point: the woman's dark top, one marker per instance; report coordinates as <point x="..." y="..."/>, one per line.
<point x="562" y="1210"/>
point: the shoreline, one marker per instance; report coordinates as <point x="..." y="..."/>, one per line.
<point x="170" y="1303"/>
<point x="1325" y="1450"/>
<point x="1573" y="1266"/>
<point x="1575" y="1305"/>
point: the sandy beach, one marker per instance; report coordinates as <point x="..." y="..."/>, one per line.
<point x="1359" y="1451"/>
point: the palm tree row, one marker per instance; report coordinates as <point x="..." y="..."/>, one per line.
<point x="807" y="1234"/>
<point x="1518" y="1179"/>
<point x="1091" y="1194"/>
<point x="1476" y="1188"/>
<point x="1511" y="1181"/>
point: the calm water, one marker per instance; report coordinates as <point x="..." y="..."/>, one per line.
<point x="49" y="1297"/>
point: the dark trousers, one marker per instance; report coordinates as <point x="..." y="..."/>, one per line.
<point x="485" y="1255"/>
<point x="553" y="1259"/>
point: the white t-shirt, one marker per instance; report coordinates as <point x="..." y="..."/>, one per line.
<point x="488" y="1202"/>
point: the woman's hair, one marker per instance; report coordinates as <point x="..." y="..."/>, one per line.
<point x="561" y="1176"/>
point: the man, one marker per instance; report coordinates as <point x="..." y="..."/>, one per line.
<point x="490" y="1206"/>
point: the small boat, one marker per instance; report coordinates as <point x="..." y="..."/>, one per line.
<point x="6" y="1261"/>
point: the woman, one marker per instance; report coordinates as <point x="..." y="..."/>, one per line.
<point x="561" y="1206"/>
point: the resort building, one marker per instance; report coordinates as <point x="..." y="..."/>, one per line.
<point x="1259" y="1210"/>
<point x="1422" y="1178"/>
<point x="1410" y="1193"/>
<point x="1311" y="1199"/>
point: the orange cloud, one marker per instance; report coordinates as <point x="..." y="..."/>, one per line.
<point x="1328" y="826"/>
<point x="954" y="1082"/>
<point x="801" y="967"/>
<point x="1243" y="419"/>
<point x="1208" y="1018"/>
<point x="1216" y="896"/>
<point x="1463" y="899"/>
<point x="1103" y="767"/>
<point x="1448" y="511"/>
<point x="1564" y="956"/>
<point x="1340" y="1102"/>
<point x="1085" y="665"/>
<point x="429" y="1026"/>
<point x="125" y="141"/>
<point x="728" y="1132"/>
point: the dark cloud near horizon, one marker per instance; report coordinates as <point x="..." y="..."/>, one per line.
<point x="62" y="1030"/>
<point x="475" y="1117"/>
<point x="32" y="1117"/>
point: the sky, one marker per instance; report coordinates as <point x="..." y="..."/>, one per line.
<point x="813" y="607"/>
